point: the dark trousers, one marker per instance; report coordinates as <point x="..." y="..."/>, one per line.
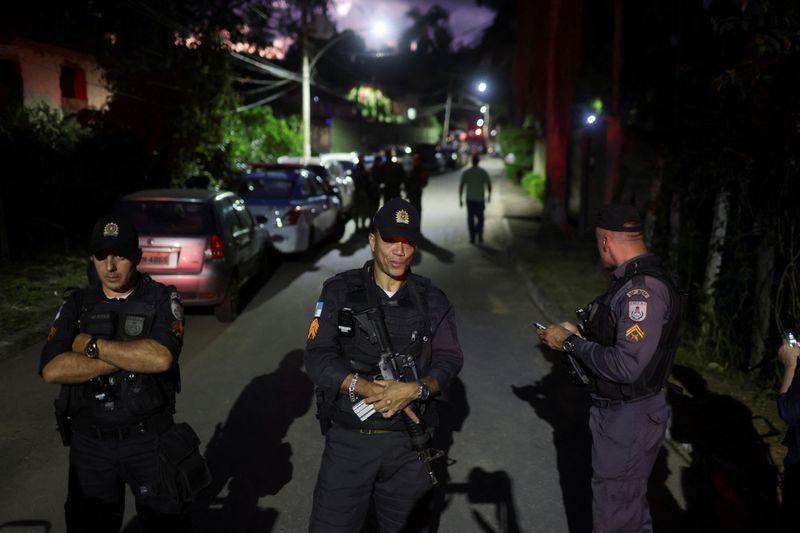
<point x="357" y="469"/>
<point x="625" y="442"/>
<point x="475" y="219"/>
<point x="98" y="473"/>
<point x="790" y="497"/>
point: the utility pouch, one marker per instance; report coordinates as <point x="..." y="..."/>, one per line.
<point x="63" y="422"/>
<point x="324" y="414"/>
<point x="100" y="324"/>
<point x="184" y="472"/>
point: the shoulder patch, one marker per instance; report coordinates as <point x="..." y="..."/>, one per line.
<point x="637" y="311"/>
<point x="634" y="333"/>
<point x="313" y="328"/>
<point x="176" y="305"/>
<point x="637" y="291"/>
<point x="318" y="309"/>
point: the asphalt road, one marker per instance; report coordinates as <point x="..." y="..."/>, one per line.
<point x="245" y="393"/>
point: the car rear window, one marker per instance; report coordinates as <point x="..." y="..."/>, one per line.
<point x="174" y="217"/>
<point x="274" y="187"/>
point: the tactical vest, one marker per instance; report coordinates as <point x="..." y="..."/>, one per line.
<point x="408" y="322"/>
<point x="601" y="328"/>
<point x="133" y="396"/>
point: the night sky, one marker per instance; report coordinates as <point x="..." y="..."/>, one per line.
<point x="467" y="20"/>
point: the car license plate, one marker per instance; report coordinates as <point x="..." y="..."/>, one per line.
<point x="160" y="259"/>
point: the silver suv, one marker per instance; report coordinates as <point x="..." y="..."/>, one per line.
<point x="205" y="243"/>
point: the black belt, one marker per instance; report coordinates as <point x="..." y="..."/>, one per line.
<point x="154" y="424"/>
<point x="605" y="402"/>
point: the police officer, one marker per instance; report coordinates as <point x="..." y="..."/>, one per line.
<point x="372" y="460"/>
<point x="789" y="410"/>
<point x="631" y="335"/>
<point x="114" y="349"/>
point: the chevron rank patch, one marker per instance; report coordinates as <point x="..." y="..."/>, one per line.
<point x="313" y="329"/>
<point x="634" y="333"/>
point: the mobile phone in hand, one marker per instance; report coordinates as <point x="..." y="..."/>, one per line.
<point x="791" y="337"/>
<point x="540" y="326"/>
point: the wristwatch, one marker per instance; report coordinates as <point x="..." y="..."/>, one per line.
<point x="569" y="344"/>
<point x="424" y="391"/>
<point x="91" y="350"/>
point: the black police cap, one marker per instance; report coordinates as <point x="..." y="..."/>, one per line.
<point x="115" y="234"/>
<point x="397" y="218"/>
<point x="619" y="217"/>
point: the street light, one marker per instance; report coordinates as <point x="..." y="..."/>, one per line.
<point x="378" y="28"/>
<point x="482" y="87"/>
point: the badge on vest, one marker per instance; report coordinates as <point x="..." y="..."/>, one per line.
<point x="637" y="311"/>
<point x="133" y="326"/>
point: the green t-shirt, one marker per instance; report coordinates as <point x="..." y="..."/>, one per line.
<point x="476" y="181"/>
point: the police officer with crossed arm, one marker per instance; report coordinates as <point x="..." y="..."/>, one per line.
<point x="114" y="349"/>
<point x="629" y="340"/>
<point x="369" y="453"/>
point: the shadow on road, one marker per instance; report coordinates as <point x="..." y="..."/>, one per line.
<point x="731" y="483"/>
<point x="442" y="254"/>
<point x="247" y="454"/>
<point x="558" y="401"/>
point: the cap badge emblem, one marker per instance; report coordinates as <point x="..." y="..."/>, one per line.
<point x="111" y="230"/>
<point x="402" y="217"/>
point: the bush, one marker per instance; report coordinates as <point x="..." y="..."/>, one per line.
<point x="534" y="185"/>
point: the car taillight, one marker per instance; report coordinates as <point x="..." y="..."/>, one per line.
<point x="292" y="216"/>
<point x="214" y="247"/>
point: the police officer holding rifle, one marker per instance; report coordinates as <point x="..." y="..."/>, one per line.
<point x="626" y="343"/>
<point x="382" y="348"/>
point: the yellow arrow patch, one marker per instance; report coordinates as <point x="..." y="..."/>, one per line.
<point x="635" y="333"/>
<point x="312" y="329"/>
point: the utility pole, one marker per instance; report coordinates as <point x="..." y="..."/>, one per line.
<point x="306" y="87"/>
<point x="448" y="103"/>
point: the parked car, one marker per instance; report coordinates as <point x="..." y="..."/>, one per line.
<point x="301" y="208"/>
<point x="205" y="243"/>
<point x="346" y="160"/>
<point x="332" y="172"/>
<point x="432" y="159"/>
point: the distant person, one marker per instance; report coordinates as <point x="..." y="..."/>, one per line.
<point x="479" y="192"/>
<point x="378" y="166"/>
<point x="393" y="177"/>
<point x="365" y="191"/>
<point x="789" y="410"/>
<point x="416" y="180"/>
<point x="631" y="337"/>
<point x="114" y="349"/>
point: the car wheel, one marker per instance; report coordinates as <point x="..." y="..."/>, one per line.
<point x="310" y="251"/>
<point x="228" y="309"/>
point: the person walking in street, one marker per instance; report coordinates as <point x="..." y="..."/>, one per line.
<point x="114" y="349"/>
<point x="417" y="179"/>
<point x="393" y="177"/>
<point x="479" y="191"/>
<point x="628" y="345"/>
<point x="369" y="461"/>
<point x="789" y="410"/>
<point x="362" y="202"/>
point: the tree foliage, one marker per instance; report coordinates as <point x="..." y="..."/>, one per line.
<point x="256" y="134"/>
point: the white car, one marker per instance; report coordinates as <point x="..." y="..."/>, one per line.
<point x="332" y="172"/>
<point x="301" y="208"/>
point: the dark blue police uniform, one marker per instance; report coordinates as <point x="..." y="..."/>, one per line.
<point x="117" y="422"/>
<point x="631" y="339"/>
<point x="373" y="460"/>
<point x="789" y="411"/>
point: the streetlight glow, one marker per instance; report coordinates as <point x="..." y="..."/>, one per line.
<point x="483" y="109"/>
<point x="591" y="119"/>
<point x="379" y="28"/>
<point x="479" y="122"/>
<point x="482" y="87"/>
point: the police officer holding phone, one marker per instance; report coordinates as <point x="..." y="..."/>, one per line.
<point x="631" y="336"/>
<point x="789" y="410"/>
<point x="113" y="347"/>
<point x="369" y="457"/>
